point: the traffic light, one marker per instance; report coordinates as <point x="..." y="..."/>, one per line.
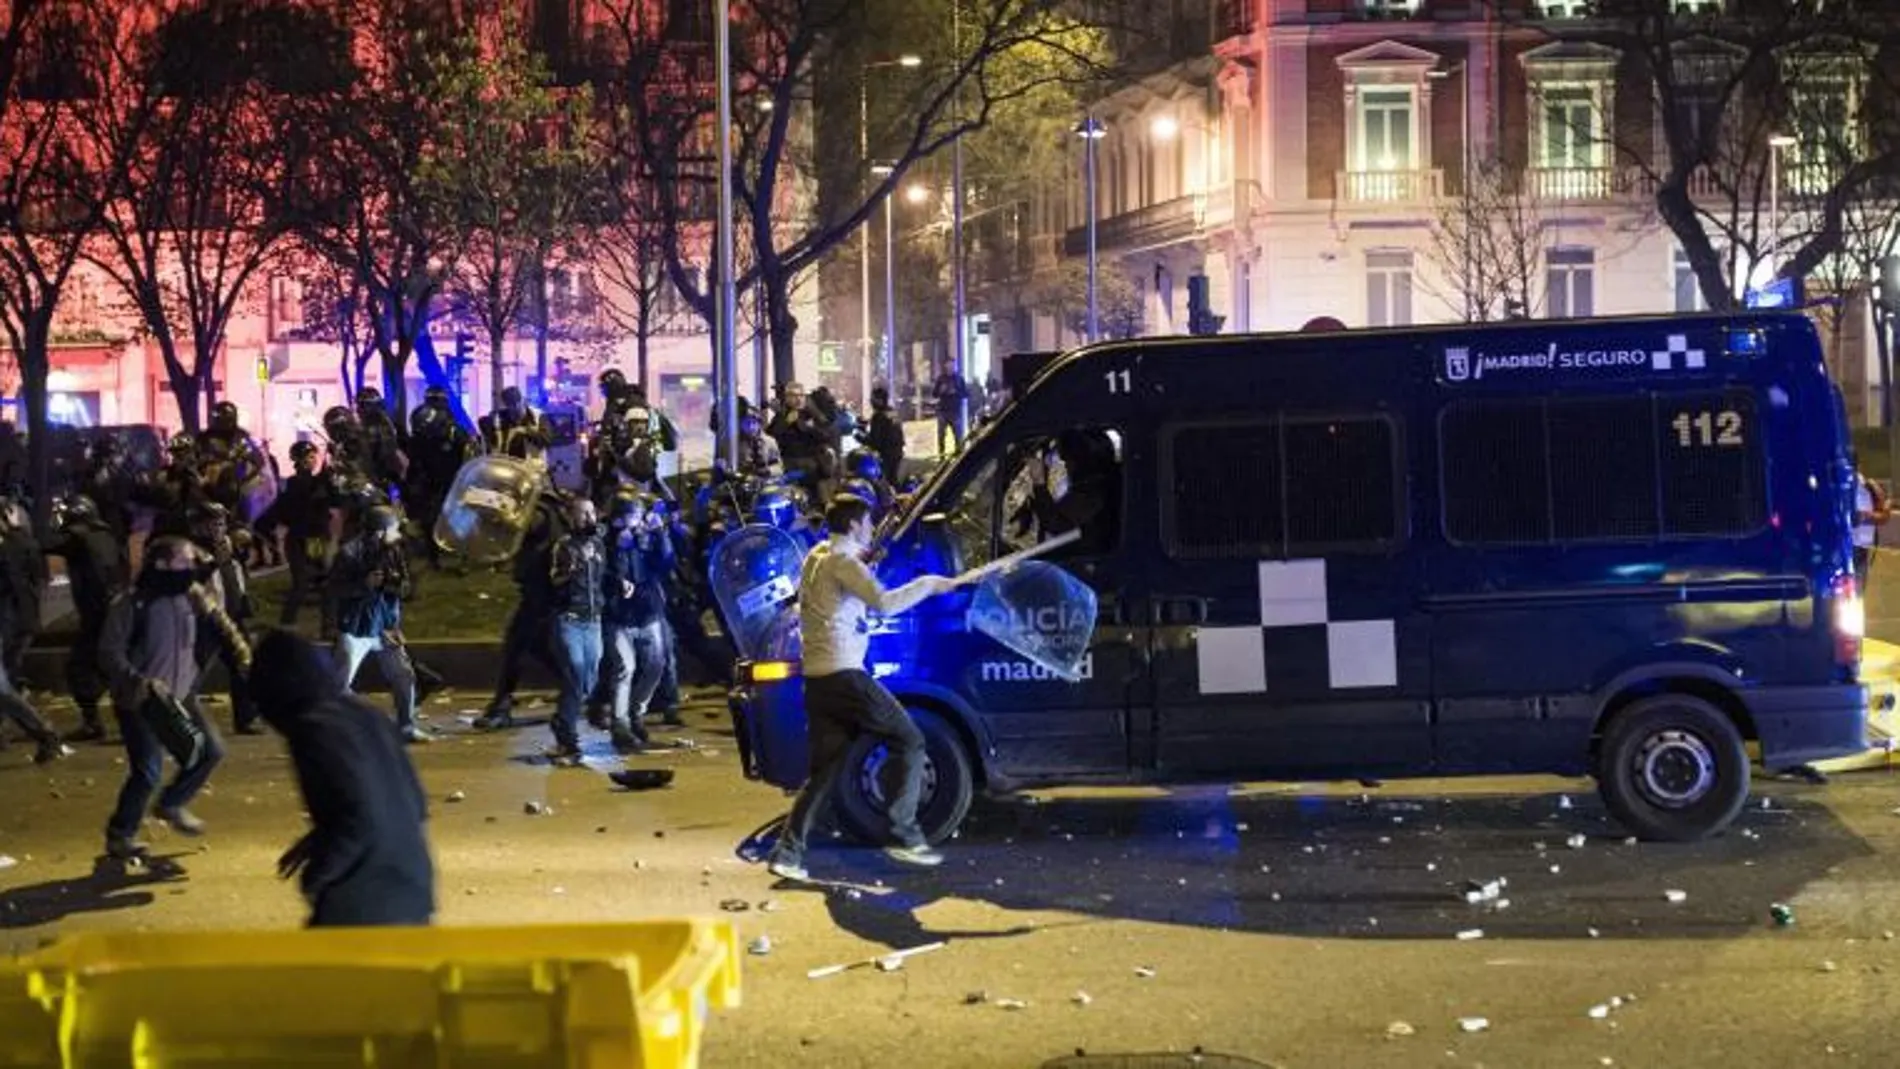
<point x="1201" y="317"/>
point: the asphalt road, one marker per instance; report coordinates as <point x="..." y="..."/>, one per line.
<point x="1288" y="925"/>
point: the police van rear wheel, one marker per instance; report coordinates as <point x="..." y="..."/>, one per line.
<point x="948" y="789"/>
<point x="1673" y="768"/>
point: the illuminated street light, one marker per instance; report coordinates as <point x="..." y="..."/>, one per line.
<point x="917" y="193"/>
<point x="1090" y="130"/>
<point x="1164" y="128"/>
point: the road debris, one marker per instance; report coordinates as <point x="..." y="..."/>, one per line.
<point x="7" y="861"/>
<point x="879" y="961"/>
<point x="1828" y="966"/>
<point x="1577" y="841"/>
<point x="1594" y="934"/>
<point x="1400" y="1030"/>
<point x="770" y="905"/>
<point x="1146" y="972"/>
<point x="1474" y="1024"/>
<point x="1783" y="914"/>
<point x="1676" y="898"/>
<point x="1011" y="1004"/>
<point x="1564" y="802"/>
<point x="890" y="963"/>
<point x="1081" y="998"/>
<point x="735" y="905"/>
<point x="1469" y="934"/>
<point x="1477" y="891"/>
<point x="975" y="998"/>
<point x="536" y="809"/>
<point x="457" y="796"/>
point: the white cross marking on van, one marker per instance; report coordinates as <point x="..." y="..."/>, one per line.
<point x="1692" y="359"/>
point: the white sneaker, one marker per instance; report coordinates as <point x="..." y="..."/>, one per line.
<point x="922" y="856"/>
<point x="786" y="869"/>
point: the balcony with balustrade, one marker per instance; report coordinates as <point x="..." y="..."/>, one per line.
<point x="1573" y="183"/>
<point x="1169" y="222"/>
<point x="1390" y="187"/>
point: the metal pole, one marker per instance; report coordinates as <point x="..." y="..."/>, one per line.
<point x="864" y="239"/>
<point x="1089" y="137"/>
<point x="726" y="363"/>
<point x="1774" y="202"/>
<point x="1464" y="179"/>
<point x="956" y="223"/>
<point x="890" y="302"/>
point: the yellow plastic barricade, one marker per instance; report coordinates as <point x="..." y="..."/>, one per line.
<point x="572" y="996"/>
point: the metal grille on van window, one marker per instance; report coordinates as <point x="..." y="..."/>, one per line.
<point x="1339" y="484"/>
<point x="1495" y="471"/>
<point x="1711" y="467"/>
<point x="1602" y="469"/>
<point x="1227" y="500"/>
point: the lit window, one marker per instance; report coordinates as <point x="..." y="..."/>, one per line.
<point x="1572" y="135"/>
<point x="1389" y="288"/>
<point x="1570" y="283"/>
<point x="1388" y="9"/>
<point x="1385" y="130"/>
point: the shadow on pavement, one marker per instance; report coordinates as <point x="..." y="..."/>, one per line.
<point x="111" y="885"/>
<point x="1388" y="867"/>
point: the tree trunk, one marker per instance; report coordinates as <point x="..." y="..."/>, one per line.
<point x="33" y="374"/>
<point x="783" y="328"/>
<point x="640" y="346"/>
<point x="1883" y="344"/>
<point x="497" y="336"/>
<point x="541" y="331"/>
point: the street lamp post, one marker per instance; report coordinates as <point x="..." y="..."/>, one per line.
<point x="864" y="233"/>
<point x="1090" y="130"/>
<point x="725" y="362"/>
<point x="1776" y="142"/>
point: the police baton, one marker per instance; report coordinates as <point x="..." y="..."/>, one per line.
<point x="1002" y="564"/>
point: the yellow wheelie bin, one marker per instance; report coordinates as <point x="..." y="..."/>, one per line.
<point x="573" y="996"/>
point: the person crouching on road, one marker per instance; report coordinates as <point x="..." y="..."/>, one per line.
<point x="370" y="580"/>
<point x="836" y="594"/>
<point x="149" y="650"/>
<point x="579" y="571"/>
<point x="365" y="860"/>
<point x="638" y="562"/>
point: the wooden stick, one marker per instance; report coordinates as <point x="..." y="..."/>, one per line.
<point x="1013" y="559"/>
<point x="896" y="955"/>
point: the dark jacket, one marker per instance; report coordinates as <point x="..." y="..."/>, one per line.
<point x="647" y="563"/>
<point x="534" y="565"/>
<point x="23" y="579"/>
<point x="885" y="437"/>
<point x="302" y="507"/>
<point x="366" y="858"/>
<point x="96" y="566"/>
<point x="579" y="571"/>
<point x="366" y="609"/>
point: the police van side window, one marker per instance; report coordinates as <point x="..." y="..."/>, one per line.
<point x="1601" y="469"/>
<point x="1280" y="488"/>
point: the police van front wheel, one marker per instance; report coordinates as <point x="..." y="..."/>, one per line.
<point x="949" y="785"/>
<point x="1673" y="768"/>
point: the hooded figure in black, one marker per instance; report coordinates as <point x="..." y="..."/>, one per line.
<point x="366" y="858"/>
<point x="98" y="569"/>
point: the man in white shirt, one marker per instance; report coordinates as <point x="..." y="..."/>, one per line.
<point x="836" y="595"/>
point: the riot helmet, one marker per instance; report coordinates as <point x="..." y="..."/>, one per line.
<point x="774" y="507"/>
<point x="864" y="464"/>
<point x="224" y="417"/>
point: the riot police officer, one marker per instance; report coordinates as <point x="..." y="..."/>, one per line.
<point x="98" y="569"/>
<point x="232" y="465"/>
<point x="109" y="486"/>
<point x="383" y="459"/>
<point x="439" y="446"/>
<point x="759" y="456"/>
<point x="515" y="429"/>
<point x="530" y="631"/>
<point x="172" y="491"/>
<point x="864" y="476"/>
<point x="302" y="512"/>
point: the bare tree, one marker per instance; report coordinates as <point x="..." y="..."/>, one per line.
<point x="794" y="60"/>
<point x="1723" y="89"/>
<point x="1487" y="247"/>
<point x="196" y="106"/>
<point x="53" y="185"/>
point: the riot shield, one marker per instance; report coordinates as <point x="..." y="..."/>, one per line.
<point x="754" y="574"/>
<point x="489" y="508"/>
<point x="1039" y="611"/>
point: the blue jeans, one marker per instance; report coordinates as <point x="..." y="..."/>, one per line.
<point x="638" y="663"/>
<point x="145" y="763"/>
<point x="668" y="692"/>
<point x="392" y="661"/>
<point x="578" y="642"/>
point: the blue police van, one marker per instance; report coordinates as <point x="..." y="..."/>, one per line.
<point x="1614" y="547"/>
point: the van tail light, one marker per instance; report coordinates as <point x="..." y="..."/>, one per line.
<point x="1850" y="621"/>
